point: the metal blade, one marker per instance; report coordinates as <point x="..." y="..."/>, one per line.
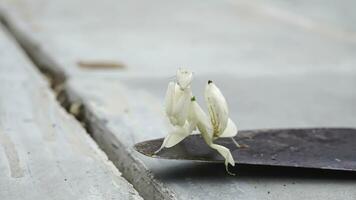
<point x="325" y="148"/>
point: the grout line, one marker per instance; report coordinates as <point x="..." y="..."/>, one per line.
<point x="40" y="59"/>
<point x="132" y="169"/>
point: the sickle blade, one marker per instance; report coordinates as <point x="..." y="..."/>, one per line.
<point x="324" y="148"/>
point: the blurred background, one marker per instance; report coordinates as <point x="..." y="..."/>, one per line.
<point x="279" y="63"/>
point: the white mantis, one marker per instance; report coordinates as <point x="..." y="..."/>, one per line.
<point x="186" y="115"/>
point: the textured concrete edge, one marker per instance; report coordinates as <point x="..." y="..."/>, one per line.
<point x="101" y="156"/>
<point x="131" y="168"/>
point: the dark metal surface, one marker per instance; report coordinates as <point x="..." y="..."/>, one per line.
<point x="325" y="148"/>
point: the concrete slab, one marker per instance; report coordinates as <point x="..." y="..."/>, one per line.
<point x="44" y="152"/>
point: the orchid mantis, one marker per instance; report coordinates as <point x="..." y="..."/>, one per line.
<point x="185" y="115"/>
<point x="177" y="108"/>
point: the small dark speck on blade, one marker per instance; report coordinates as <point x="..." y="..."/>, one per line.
<point x="101" y="64"/>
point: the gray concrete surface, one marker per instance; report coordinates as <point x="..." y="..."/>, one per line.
<point x="280" y="64"/>
<point x="44" y="151"/>
<point x="234" y="36"/>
